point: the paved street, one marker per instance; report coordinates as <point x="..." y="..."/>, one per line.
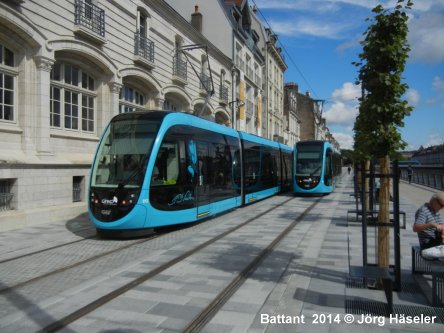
<point x="302" y="285"/>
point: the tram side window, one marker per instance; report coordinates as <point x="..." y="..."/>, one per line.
<point x="271" y="166"/>
<point x="167" y="168"/>
<point x="328" y="168"/>
<point x="252" y="166"/>
<point x="222" y="165"/>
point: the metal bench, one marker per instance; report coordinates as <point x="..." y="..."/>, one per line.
<point x="433" y="268"/>
<point x="374" y="213"/>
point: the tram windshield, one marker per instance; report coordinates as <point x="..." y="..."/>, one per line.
<point x="309" y="160"/>
<point x="123" y="153"/>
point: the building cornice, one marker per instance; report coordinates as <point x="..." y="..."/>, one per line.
<point x="277" y="56"/>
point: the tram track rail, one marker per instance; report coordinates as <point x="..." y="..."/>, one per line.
<point x="76" y="264"/>
<point x="199" y="322"/>
<point x="218" y="302"/>
<point x="46" y="249"/>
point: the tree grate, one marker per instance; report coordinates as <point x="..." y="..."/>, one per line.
<point x="358" y="307"/>
<point x="359" y="283"/>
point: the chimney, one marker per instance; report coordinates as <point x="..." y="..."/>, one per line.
<point x="196" y="19"/>
<point x="293" y="86"/>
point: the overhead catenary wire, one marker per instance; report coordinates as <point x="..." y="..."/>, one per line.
<point x="287" y="53"/>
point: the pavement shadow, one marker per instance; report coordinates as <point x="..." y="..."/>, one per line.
<point x="30" y="309"/>
<point x="81" y="226"/>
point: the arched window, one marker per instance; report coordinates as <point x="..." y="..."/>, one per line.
<point x="130" y="100"/>
<point x="72" y="98"/>
<point x="169" y="105"/>
<point x="8" y="72"/>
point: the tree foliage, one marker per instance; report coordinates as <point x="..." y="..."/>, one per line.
<point x="382" y="62"/>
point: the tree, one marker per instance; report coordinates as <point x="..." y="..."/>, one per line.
<point x="382" y="108"/>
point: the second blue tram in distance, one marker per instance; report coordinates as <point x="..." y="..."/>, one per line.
<point x="158" y="168"/>
<point x="317" y="167"/>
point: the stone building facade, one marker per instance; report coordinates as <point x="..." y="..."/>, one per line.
<point x="67" y="68"/>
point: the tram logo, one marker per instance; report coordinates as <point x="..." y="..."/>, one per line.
<point x="110" y="202"/>
<point x="181" y="197"/>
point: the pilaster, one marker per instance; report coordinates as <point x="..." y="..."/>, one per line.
<point x="43" y="105"/>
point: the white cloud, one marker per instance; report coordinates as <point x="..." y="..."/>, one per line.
<point x="297" y="5"/>
<point x="435" y="138"/>
<point x="345" y="141"/>
<point x="349" y="92"/>
<point x="413" y="97"/>
<point x="341" y="114"/>
<point x="426" y="37"/>
<point x="315" y="5"/>
<point x="438" y="84"/>
<point x="314" y="28"/>
<point x="344" y="108"/>
<point x="438" y="87"/>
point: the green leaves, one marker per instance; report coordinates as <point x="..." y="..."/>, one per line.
<point x="381" y="64"/>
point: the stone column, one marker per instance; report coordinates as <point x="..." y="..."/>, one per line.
<point x="110" y="105"/>
<point x="42" y="106"/>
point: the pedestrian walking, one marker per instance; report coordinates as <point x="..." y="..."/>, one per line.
<point x="410" y="173"/>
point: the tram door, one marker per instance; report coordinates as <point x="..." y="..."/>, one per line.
<point x="328" y="171"/>
<point x="203" y="188"/>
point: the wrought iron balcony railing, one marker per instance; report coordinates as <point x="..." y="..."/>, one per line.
<point x="179" y="68"/>
<point x="90" y="16"/>
<point x="205" y="83"/>
<point x="223" y="94"/>
<point x="143" y="47"/>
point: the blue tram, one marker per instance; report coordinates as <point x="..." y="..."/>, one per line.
<point x="158" y="168"/>
<point x="317" y="166"/>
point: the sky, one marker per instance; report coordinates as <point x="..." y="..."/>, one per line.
<point x="321" y="39"/>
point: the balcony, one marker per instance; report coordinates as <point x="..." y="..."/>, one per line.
<point x="223" y="95"/>
<point x="179" y="70"/>
<point x="143" y="50"/>
<point x="89" y="21"/>
<point x="206" y="85"/>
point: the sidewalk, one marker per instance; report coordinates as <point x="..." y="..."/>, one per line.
<point x="302" y="286"/>
<point x="316" y="285"/>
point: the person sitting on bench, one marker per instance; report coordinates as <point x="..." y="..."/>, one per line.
<point x="428" y="223"/>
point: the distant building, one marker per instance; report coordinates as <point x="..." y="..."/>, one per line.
<point x="310" y="113"/>
<point x="433" y="155"/>
<point x="292" y="119"/>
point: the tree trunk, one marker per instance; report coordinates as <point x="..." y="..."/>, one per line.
<point x="384" y="214"/>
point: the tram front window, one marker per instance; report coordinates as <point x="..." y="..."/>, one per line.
<point x="309" y="161"/>
<point x="123" y="154"/>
